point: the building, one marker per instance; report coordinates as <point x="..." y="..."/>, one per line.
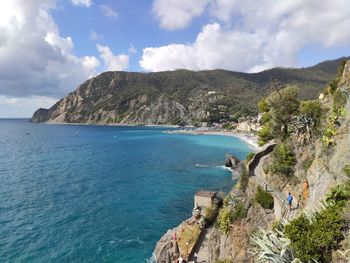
<point x="204" y="199"/>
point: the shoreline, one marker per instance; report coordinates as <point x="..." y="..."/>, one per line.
<point x="249" y="138"/>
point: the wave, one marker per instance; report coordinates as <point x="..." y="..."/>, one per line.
<point x="151" y="259"/>
<point x="225" y="168"/>
<point x="202" y="165"/>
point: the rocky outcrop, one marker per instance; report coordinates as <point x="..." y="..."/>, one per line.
<point x="174" y="97"/>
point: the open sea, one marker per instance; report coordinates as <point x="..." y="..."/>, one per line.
<point x="73" y="193"/>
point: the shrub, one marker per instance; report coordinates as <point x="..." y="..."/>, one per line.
<point x="339" y="100"/>
<point x="223" y="261"/>
<point x="313" y="240"/>
<point x="312" y="109"/>
<point x="210" y="213"/>
<point x="265" y="134"/>
<point x="264" y="198"/>
<point x="227" y="216"/>
<point x="244" y="179"/>
<point x="339" y="194"/>
<point x="239" y="212"/>
<point x="346" y="170"/>
<point x="225" y="220"/>
<point x="283" y="160"/>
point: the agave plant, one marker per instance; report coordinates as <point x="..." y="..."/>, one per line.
<point x="273" y="246"/>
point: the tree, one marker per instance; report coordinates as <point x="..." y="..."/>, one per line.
<point x="280" y="106"/>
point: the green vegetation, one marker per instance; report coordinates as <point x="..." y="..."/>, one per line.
<point x="210" y="213"/>
<point x="265" y="133"/>
<point x="225" y="220"/>
<point x="339" y="100"/>
<point x="333" y="85"/>
<point x="227" y="126"/>
<point x="307" y="163"/>
<point x="278" y="109"/>
<point x="339" y="193"/>
<point x="128" y="94"/>
<point x="346" y="170"/>
<point x="229" y="215"/>
<point x="244" y="179"/>
<point x="283" y="160"/>
<point x="312" y="109"/>
<point x="264" y="198"/>
<point x="313" y="237"/>
<point x="223" y="261"/>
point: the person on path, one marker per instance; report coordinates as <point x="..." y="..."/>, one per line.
<point x="290" y="200"/>
<point x="195" y="257"/>
<point x="298" y="203"/>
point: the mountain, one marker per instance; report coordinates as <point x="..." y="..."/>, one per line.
<point x="180" y="96"/>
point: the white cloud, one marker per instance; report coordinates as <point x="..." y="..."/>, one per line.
<point x="35" y="60"/>
<point x="111" y="61"/>
<point x="108" y="11"/>
<point x="250" y="35"/>
<point x="212" y="49"/>
<point x="86" y="3"/>
<point x="177" y="14"/>
<point x="132" y="49"/>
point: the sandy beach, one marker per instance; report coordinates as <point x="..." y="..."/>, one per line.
<point x="249" y="138"/>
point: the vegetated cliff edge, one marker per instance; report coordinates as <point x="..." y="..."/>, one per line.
<point x="310" y="161"/>
<point x="177" y="97"/>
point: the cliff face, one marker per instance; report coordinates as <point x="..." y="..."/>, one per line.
<point x="318" y="167"/>
<point x="175" y="97"/>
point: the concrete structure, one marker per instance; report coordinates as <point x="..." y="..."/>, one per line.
<point x="204" y="199"/>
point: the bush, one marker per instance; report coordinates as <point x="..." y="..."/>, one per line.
<point x="223" y="261"/>
<point x="346" y="170"/>
<point x="244" y="179"/>
<point x="225" y="220"/>
<point x="239" y="212"/>
<point x="313" y="240"/>
<point x="339" y="100"/>
<point x="283" y="160"/>
<point x="227" y="216"/>
<point x="339" y="194"/>
<point x="265" y="134"/>
<point x="312" y="109"/>
<point x="210" y="213"/>
<point x="264" y="198"/>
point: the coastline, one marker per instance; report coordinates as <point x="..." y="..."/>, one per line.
<point x="250" y="138"/>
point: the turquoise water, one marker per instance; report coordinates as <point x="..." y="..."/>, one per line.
<point x="100" y="194"/>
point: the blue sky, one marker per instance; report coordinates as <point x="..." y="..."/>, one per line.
<point x="48" y="47"/>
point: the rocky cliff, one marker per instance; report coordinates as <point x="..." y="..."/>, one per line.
<point x="248" y="229"/>
<point x="177" y="97"/>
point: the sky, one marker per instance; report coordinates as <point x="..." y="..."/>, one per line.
<point x="49" y="47"/>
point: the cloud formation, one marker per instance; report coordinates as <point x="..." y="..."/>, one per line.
<point x="108" y="11"/>
<point x="112" y="62"/>
<point x="35" y="60"/>
<point x="248" y="36"/>
<point x="177" y="14"/>
<point x="86" y="3"/>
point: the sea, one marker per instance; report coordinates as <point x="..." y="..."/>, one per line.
<point x="80" y="193"/>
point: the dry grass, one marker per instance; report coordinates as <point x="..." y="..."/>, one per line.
<point x="187" y="233"/>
